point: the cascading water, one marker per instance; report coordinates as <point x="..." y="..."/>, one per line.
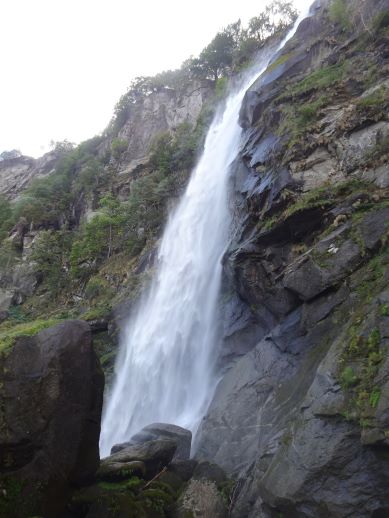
<point x="165" y="370"/>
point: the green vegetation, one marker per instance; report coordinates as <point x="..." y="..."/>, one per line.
<point x="340" y="13"/>
<point x="375" y="397"/>
<point x="377" y="99"/>
<point x="8" y="335"/>
<point x="324" y="197"/>
<point x="6" y="220"/>
<point x="297" y="115"/>
<point x="363" y="349"/>
<point x="280" y="61"/>
<point x="320" y="79"/>
<point x="381" y="22"/>
<point x="130" y="497"/>
<point x="348" y="377"/>
<point x="118" y="147"/>
<point x="51" y="258"/>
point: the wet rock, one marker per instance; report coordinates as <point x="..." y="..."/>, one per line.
<point x="155" y="454"/>
<point x="50" y="408"/>
<point x="181" y="436"/>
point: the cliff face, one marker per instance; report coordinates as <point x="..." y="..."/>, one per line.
<point x="162" y="111"/>
<point x="17" y="173"/>
<point x="301" y="419"/>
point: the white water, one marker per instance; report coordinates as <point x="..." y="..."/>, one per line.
<point x="165" y="370"/>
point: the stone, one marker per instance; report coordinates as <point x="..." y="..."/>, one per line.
<point x="320" y="167"/>
<point x="209" y="471"/>
<point x="201" y="498"/>
<point x="6" y="299"/>
<point x="116" y="471"/>
<point x="354" y="148"/>
<point x="181" y="436"/>
<point x="183" y="468"/>
<point x="155" y="454"/>
<point x="50" y="410"/>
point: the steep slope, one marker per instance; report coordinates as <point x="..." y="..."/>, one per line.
<point x="301" y="419"/>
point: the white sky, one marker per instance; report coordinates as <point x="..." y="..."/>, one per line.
<point x="65" y="63"/>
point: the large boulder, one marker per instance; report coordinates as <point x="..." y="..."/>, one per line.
<point x="181" y="436"/>
<point x="50" y="410"/>
<point x="155" y="455"/>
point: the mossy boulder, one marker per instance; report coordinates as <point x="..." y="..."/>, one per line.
<point x="50" y="409"/>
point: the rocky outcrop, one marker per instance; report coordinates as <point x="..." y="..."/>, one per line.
<point x="181" y="436"/>
<point x="17" y="173"/>
<point x="161" y="111"/>
<point x="50" y="410"/>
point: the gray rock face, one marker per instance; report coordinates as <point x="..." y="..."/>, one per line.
<point x="181" y="436"/>
<point x="17" y="173"/>
<point x="162" y="111"/>
<point x="51" y="399"/>
<point x="300" y="413"/>
<point x="155" y="454"/>
<point x="201" y="498"/>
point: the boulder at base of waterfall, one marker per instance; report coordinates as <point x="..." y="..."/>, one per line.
<point x="50" y="409"/>
<point x="155" y="431"/>
<point x="155" y="455"/>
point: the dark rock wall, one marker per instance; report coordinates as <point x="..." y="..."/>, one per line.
<point x="300" y="416"/>
<point x="50" y="410"/>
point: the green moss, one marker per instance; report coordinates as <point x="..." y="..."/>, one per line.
<point x="9" y="336"/>
<point x="348" y="377"/>
<point x="280" y="61"/>
<point x="96" y="313"/>
<point x="384" y="310"/>
<point x="318" y="80"/>
<point x="226" y="489"/>
<point x="376" y="99"/>
<point x="375" y="397"/>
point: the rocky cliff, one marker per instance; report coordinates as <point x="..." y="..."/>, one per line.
<point x="301" y="419"/>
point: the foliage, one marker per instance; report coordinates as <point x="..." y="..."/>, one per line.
<point x="50" y="201"/>
<point x="348" y="377"/>
<point x="6" y="219"/>
<point x="340" y="13"/>
<point x="51" y="255"/>
<point x="118" y="147"/>
<point x="381" y="21"/>
<point x="176" y="151"/>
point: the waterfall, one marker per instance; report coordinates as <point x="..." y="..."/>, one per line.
<point x="165" y="369"/>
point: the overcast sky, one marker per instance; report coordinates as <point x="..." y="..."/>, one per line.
<point x="65" y="63"/>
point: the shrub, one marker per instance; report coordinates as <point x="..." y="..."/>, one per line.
<point x="339" y="13"/>
<point x="348" y="377"/>
<point x="118" y="147"/>
<point x="94" y="288"/>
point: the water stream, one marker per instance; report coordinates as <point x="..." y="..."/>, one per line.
<point x="165" y="369"/>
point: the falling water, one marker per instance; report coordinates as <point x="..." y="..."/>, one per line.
<point x="165" y="370"/>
